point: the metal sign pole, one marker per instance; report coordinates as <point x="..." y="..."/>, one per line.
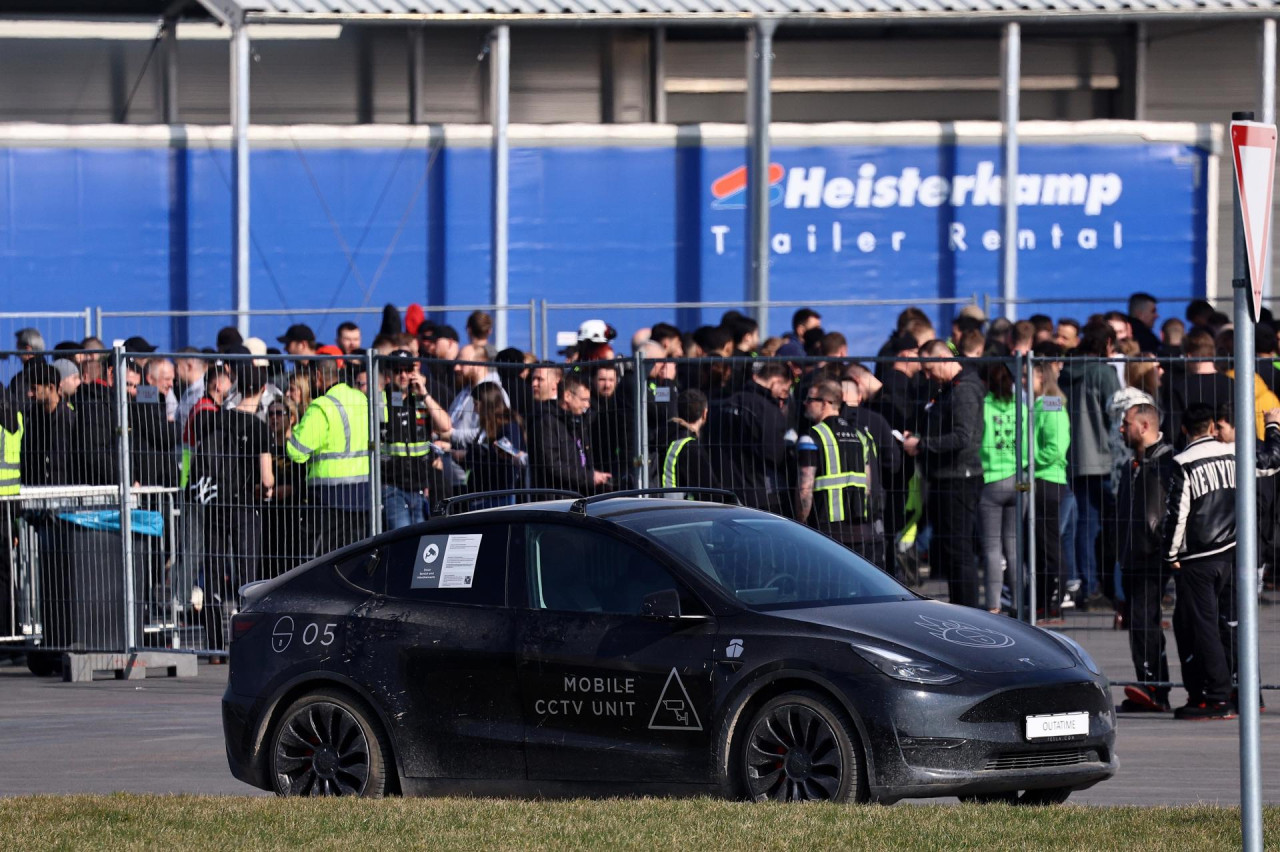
<point x="1246" y="536"/>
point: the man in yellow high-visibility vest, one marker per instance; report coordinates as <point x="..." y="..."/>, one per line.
<point x="332" y="439"/>
<point x="12" y="426"/>
<point x="839" y="481"/>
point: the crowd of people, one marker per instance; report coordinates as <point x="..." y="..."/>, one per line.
<point x="931" y="453"/>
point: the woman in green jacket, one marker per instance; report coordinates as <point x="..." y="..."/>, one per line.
<point x="1052" y="438"/>
<point x="997" y="509"/>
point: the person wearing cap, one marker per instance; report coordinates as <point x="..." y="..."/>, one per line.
<point x="299" y="340"/>
<point x="140" y="349"/>
<point x="68" y="378"/>
<point x="410" y="419"/>
<point x="593" y="341"/>
<point x="48" y="441"/>
<point x="332" y="439"/>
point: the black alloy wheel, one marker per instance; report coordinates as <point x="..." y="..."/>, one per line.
<point x="798" y="748"/>
<point x="326" y="746"/>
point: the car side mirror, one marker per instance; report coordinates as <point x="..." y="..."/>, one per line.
<point x="663" y="604"/>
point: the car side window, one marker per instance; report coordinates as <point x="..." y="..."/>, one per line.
<point x="463" y="565"/>
<point x="365" y="569"/>
<point x="571" y="569"/>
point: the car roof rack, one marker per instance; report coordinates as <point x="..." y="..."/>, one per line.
<point x="445" y="507"/>
<point x="579" y="506"/>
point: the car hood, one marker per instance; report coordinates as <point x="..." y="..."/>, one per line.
<point x="960" y="637"/>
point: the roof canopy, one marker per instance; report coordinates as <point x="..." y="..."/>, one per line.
<point x="729" y="11"/>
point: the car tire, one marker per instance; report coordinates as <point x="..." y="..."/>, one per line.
<point x="1048" y="796"/>
<point x="328" y="743"/>
<point x="800" y="746"/>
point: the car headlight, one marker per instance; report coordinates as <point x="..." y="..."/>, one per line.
<point x="902" y="667"/>
<point x="1077" y="650"/>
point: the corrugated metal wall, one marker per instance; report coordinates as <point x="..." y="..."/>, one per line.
<point x="1195" y="72"/>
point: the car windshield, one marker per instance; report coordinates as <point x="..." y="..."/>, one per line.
<point x="765" y="561"/>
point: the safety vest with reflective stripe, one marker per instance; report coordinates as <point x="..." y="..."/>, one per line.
<point x="835" y="479"/>
<point x="10" y="459"/>
<point x="333" y="435"/>
<point x="405" y="449"/>
<point x="671" y="460"/>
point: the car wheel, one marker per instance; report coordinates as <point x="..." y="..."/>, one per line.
<point x="327" y="745"/>
<point x="44" y="663"/>
<point x="1049" y="796"/>
<point x="799" y="747"/>
<point x="1009" y="797"/>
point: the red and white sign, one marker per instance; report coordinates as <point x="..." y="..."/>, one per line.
<point x="1253" y="147"/>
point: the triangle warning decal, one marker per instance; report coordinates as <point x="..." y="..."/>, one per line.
<point x="674" y="710"/>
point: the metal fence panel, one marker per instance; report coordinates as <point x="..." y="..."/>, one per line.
<point x="224" y="483"/>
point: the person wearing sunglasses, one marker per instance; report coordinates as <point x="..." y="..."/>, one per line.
<point x="838" y="490"/>
<point x="411" y="420"/>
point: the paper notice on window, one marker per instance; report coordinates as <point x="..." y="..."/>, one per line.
<point x="460" y="561"/>
<point x="446" y="561"/>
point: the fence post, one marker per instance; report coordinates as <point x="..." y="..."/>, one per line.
<point x="1015" y="573"/>
<point x="97" y="329"/>
<point x="543" y="339"/>
<point x="88" y="321"/>
<point x="376" y="400"/>
<point x="533" y="325"/>
<point x="1031" y="478"/>
<point x="126" y="495"/>
<point x="642" y="424"/>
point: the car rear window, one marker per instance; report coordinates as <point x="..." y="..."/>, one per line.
<point x="464" y="565"/>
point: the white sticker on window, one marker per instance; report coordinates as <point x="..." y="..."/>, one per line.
<point x="446" y="561"/>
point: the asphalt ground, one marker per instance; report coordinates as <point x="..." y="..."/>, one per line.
<point x="164" y="735"/>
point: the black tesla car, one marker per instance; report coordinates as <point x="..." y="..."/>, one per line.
<point x="643" y="645"/>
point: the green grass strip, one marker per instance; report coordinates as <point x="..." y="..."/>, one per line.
<point x="225" y="823"/>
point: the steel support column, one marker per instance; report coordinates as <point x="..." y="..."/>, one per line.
<point x="658" y="76"/>
<point x="500" y="107"/>
<point x="1010" y="82"/>
<point x="759" y="114"/>
<point x="240" y="172"/>
<point x="417" y="74"/>
<point x="168" y="75"/>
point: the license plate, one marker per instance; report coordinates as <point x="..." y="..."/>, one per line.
<point x="1057" y="725"/>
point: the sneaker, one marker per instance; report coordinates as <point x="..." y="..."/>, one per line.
<point x="1205" y="711"/>
<point x="1139" y="699"/>
<point x="1262" y="702"/>
<point x="1068" y="602"/>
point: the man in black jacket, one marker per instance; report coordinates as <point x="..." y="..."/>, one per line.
<point x="1140" y="506"/>
<point x="685" y="463"/>
<point x="558" y="451"/>
<point x="49" y="443"/>
<point x="949" y="448"/>
<point x="749" y="437"/>
<point x="1199" y="538"/>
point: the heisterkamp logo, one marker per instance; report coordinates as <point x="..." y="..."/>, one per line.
<point x="811" y="188"/>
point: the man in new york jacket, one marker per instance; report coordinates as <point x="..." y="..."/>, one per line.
<point x="949" y="447"/>
<point x="1140" y="509"/>
<point x="1199" y="540"/>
